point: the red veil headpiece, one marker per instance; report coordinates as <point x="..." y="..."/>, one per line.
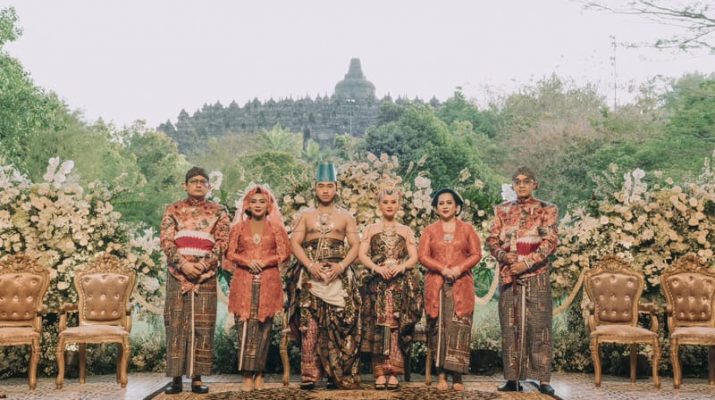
<point x="273" y="213"/>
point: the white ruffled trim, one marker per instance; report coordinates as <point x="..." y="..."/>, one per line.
<point x="191" y="251"/>
<point x="531" y="239"/>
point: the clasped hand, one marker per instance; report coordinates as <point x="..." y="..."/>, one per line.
<point x="388" y="273"/>
<point x="451" y="273"/>
<point x="328" y="271"/>
<point x="193" y="269"/>
<point x="256" y="266"/>
<point x="516" y="267"/>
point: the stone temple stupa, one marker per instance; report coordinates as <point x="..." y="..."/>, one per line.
<point x="355" y="86"/>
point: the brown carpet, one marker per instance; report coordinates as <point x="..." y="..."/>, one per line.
<point x="230" y="391"/>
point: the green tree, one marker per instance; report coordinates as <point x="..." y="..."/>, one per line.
<point x="458" y="108"/>
<point x="162" y="169"/>
<point x="25" y="109"/>
<point x="423" y="142"/>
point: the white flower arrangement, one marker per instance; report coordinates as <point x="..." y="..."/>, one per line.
<point x="650" y="228"/>
<point x="63" y="226"/>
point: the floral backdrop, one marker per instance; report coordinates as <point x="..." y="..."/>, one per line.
<point x="64" y="225"/>
<point x="646" y="218"/>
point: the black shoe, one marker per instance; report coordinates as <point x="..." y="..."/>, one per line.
<point x="307" y="385"/>
<point x="331" y="385"/>
<point x="509" y="386"/>
<point x="545" y="388"/>
<point x="200" y="389"/>
<point x="173" y="389"/>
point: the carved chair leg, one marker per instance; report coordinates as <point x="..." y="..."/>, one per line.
<point x="596" y="356"/>
<point x="125" y="361"/>
<point x="35" y="358"/>
<point x="711" y="365"/>
<point x="675" y="359"/>
<point x="656" y="363"/>
<point x="82" y="362"/>
<point x="634" y="361"/>
<point x="428" y="366"/>
<point x="284" y="355"/>
<point x="120" y="354"/>
<point x="60" y="362"/>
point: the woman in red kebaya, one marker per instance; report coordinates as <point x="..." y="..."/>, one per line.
<point x="258" y="244"/>
<point x="449" y="249"/>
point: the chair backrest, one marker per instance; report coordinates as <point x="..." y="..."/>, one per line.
<point x="23" y="284"/>
<point x="104" y="287"/>
<point x="614" y="289"/>
<point x="689" y="288"/>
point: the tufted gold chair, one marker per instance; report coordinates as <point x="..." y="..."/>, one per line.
<point x="615" y="290"/>
<point x="103" y="287"/>
<point x="689" y="289"/>
<point x="23" y="285"/>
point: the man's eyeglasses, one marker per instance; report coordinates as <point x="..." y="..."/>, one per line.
<point x="198" y="182"/>
<point x="526" y="182"/>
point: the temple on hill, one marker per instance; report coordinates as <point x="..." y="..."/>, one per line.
<point x="352" y="109"/>
<point x="355" y="86"/>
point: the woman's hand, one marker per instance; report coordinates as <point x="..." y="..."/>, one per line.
<point x="383" y="271"/>
<point x="256" y="266"/>
<point x="397" y="270"/>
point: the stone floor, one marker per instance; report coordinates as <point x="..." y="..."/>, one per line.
<point x="568" y="386"/>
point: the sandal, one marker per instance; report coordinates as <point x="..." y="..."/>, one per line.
<point x="308" y="385"/>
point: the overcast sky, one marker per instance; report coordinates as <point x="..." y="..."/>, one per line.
<point x="143" y="59"/>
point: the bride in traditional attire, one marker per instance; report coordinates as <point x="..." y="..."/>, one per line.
<point x="258" y="244"/>
<point x="392" y="300"/>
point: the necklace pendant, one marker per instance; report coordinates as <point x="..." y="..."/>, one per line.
<point x="256" y="238"/>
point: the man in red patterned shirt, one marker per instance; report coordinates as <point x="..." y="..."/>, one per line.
<point x="194" y="235"/>
<point x="522" y="237"/>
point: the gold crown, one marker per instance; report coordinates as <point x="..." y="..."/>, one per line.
<point x="388" y="186"/>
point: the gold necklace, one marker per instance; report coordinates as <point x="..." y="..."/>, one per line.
<point x="256" y="238"/>
<point x="390" y="237"/>
<point x="325" y="224"/>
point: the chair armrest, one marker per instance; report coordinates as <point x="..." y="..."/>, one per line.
<point x="652" y="309"/>
<point x="591" y="317"/>
<point x="65" y="309"/>
<point x="37" y="322"/>
<point x="128" y="317"/>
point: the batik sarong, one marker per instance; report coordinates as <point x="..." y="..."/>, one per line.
<point x="253" y="335"/>
<point x="187" y="336"/>
<point x="533" y="344"/>
<point x="391" y="309"/>
<point x="327" y="317"/>
<point x="449" y="335"/>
